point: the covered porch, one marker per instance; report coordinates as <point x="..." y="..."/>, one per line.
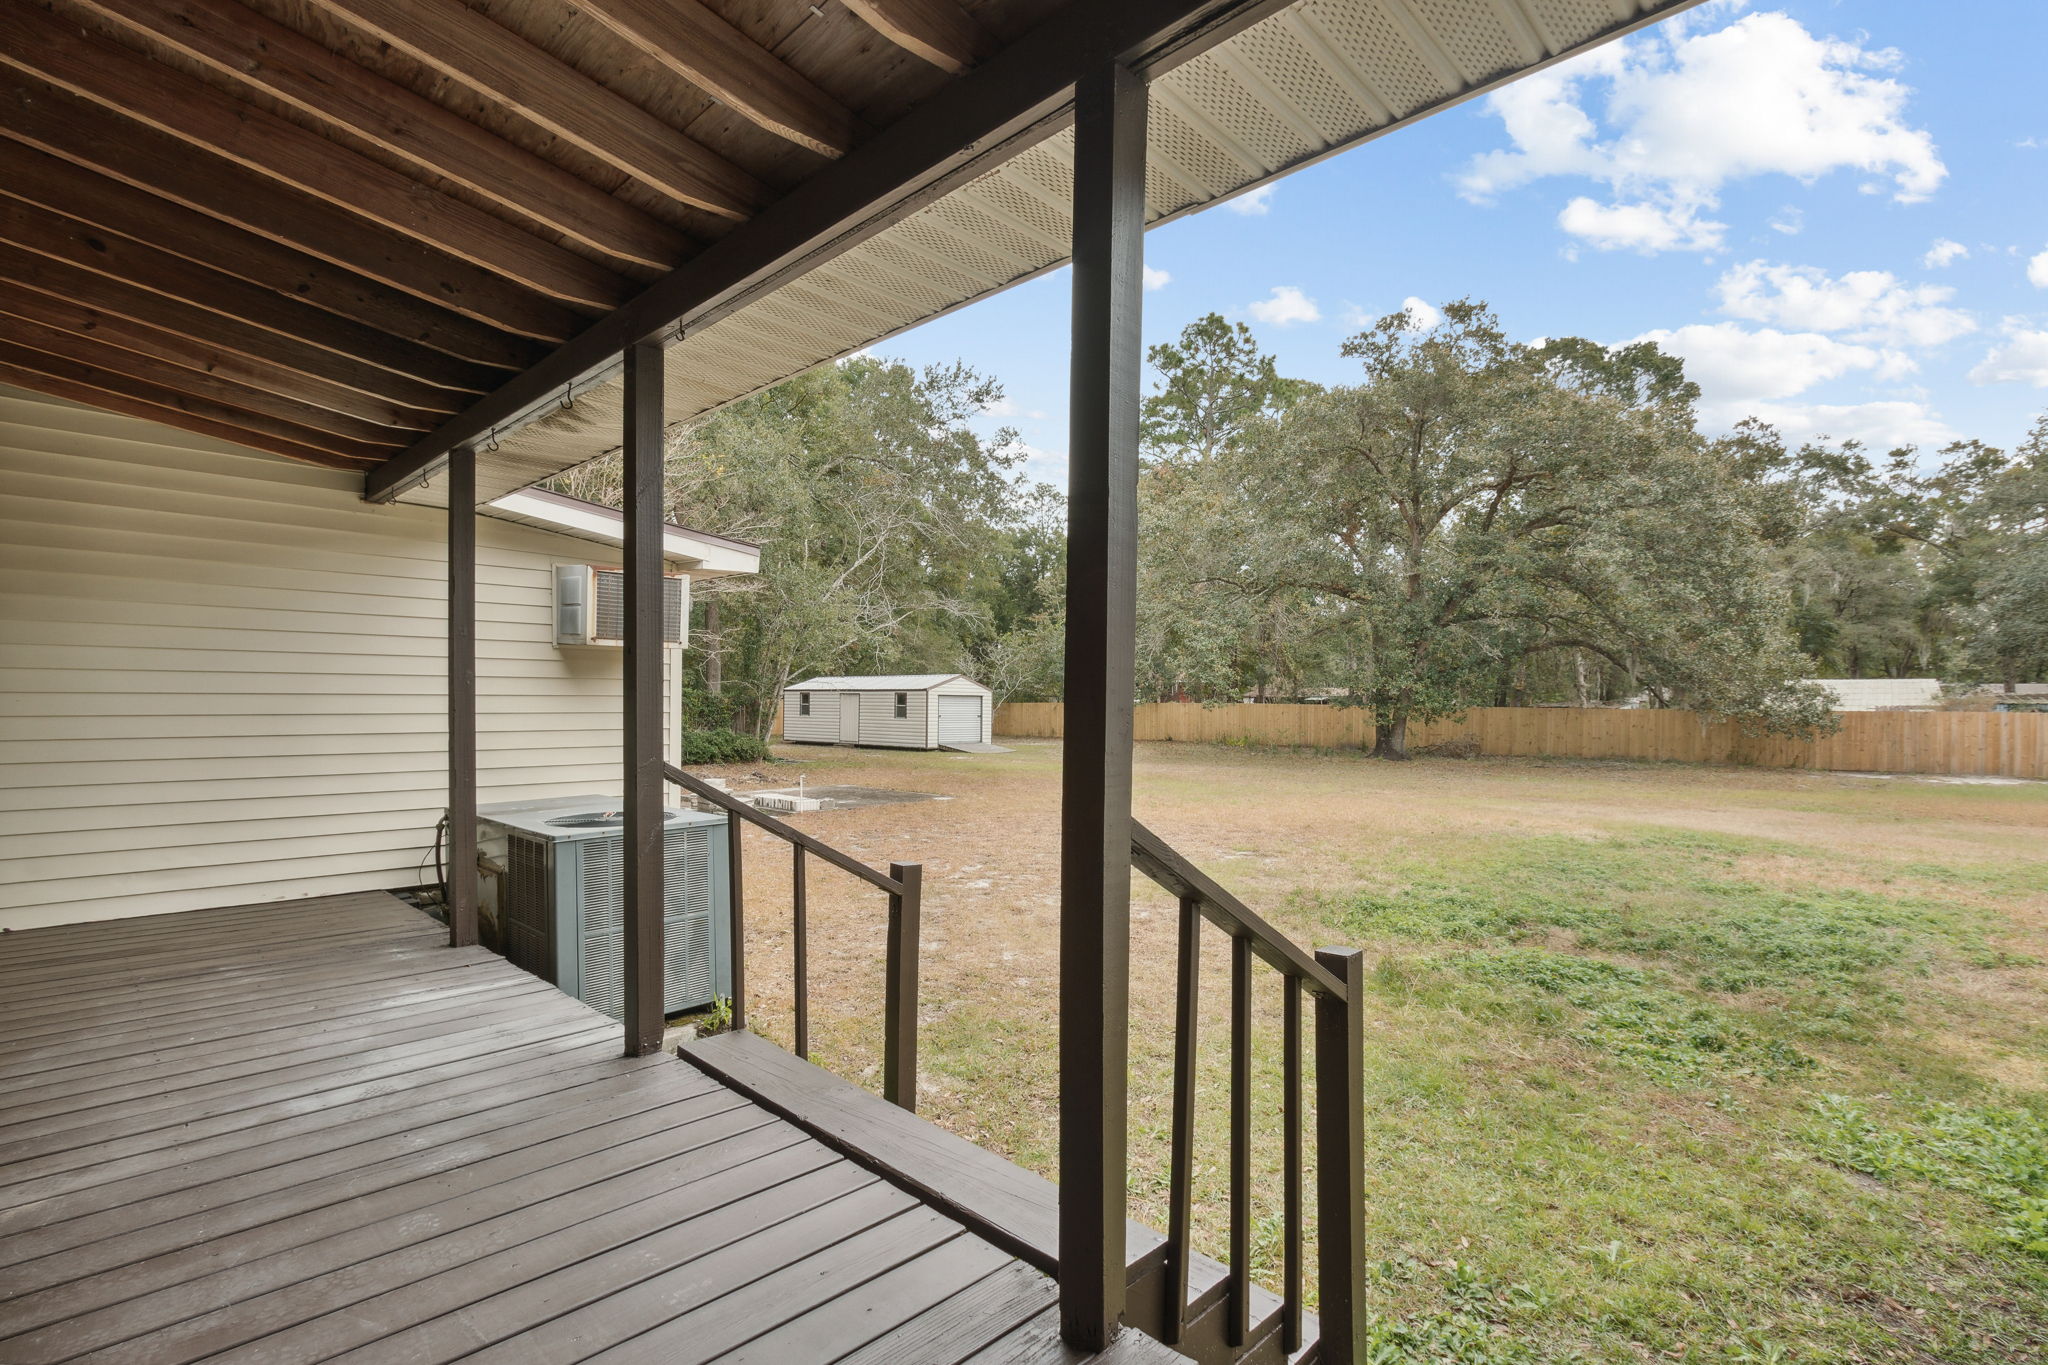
<point x="310" y="1130"/>
<point x="445" y="251"/>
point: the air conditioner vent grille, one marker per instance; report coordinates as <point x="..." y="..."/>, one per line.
<point x="525" y="915"/>
<point x="610" y="611"/>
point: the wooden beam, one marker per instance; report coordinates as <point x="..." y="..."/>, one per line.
<point x="65" y="314"/>
<point x="115" y="206"/>
<point x="100" y="69"/>
<point x="240" y="43"/>
<point x="496" y="63"/>
<point x="937" y="30"/>
<point x="94" y="375"/>
<point x="330" y="430"/>
<point x="91" y="136"/>
<point x="1017" y="99"/>
<point x="696" y="44"/>
<point x="142" y="307"/>
<point x="81" y="384"/>
<point x="66" y="239"/>
<point x="1095" y="784"/>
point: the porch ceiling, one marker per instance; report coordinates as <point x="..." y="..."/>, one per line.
<point x="332" y="228"/>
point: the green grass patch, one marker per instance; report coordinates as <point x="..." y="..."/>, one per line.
<point x="1997" y="1153"/>
<point x="1626" y="1013"/>
<point x="1685" y="901"/>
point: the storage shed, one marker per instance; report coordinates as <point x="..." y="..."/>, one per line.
<point x="911" y="711"/>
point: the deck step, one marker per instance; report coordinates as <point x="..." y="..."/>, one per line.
<point x="996" y="1198"/>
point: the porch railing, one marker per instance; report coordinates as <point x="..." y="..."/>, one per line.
<point x="904" y="885"/>
<point x="1335" y="977"/>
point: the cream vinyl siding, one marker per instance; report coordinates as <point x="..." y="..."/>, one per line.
<point x="222" y="674"/>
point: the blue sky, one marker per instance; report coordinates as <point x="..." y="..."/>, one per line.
<point x="1838" y="212"/>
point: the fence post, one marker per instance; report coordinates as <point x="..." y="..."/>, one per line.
<point x="899" y="1004"/>
<point x="1340" y="1158"/>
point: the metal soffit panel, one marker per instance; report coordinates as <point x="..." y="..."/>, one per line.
<point x="1311" y="80"/>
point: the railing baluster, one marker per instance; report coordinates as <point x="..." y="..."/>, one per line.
<point x="800" y="952"/>
<point x="1240" y="1308"/>
<point x="899" y="1006"/>
<point x="1290" y="1160"/>
<point x="1340" y="1157"/>
<point x="1181" y="1181"/>
<point x="737" y="945"/>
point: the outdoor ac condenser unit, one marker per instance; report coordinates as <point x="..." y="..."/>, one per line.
<point x="561" y="903"/>
<point x="590" y="606"/>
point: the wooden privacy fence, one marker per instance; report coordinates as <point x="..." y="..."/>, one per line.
<point x="1966" y="743"/>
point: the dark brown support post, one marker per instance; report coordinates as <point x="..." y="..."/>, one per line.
<point x="799" y="904"/>
<point x="1290" y="1163"/>
<point x="899" y="1003"/>
<point x="1180" y="1213"/>
<point x="1238" y="1324"/>
<point x="736" y="946"/>
<point x="462" y="697"/>
<point x="1095" y="790"/>
<point x="1340" y="1158"/>
<point x="644" y="888"/>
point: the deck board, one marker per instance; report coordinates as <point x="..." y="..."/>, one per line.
<point x="308" y="1131"/>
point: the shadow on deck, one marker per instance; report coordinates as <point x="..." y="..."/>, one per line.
<point x="309" y="1131"/>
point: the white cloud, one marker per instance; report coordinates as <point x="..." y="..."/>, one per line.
<point x="1641" y="226"/>
<point x="1944" y="252"/>
<point x="1285" y="306"/>
<point x="1790" y="221"/>
<point x="1880" y="426"/>
<point x="2021" y="359"/>
<point x="1870" y="306"/>
<point x="1253" y="203"/>
<point x="1421" y="315"/>
<point x="1002" y="407"/>
<point x="1047" y="466"/>
<point x="1686" y="111"/>
<point x="1736" y="365"/>
<point x="1156" y="279"/>
<point x="2037" y="271"/>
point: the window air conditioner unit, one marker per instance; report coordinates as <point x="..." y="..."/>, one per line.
<point x="561" y="902"/>
<point x="590" y="606"/>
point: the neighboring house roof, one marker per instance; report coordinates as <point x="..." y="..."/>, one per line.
<point x="1874" y="694"/>
<point x="704" y="555"/>
<point x="880" y="682"/>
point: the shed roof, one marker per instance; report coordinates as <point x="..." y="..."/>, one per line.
<point x="880" y="682"/>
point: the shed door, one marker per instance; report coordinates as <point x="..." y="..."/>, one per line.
<point x="849" y="717"/>
<point x="959" y="720"/>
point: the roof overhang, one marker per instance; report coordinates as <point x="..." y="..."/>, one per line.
<point x="927" y="219"/>
<point x="699" y="553"/>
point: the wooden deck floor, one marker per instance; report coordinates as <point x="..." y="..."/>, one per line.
<point x="309" y="1131"/>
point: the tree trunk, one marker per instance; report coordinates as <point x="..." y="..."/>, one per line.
<point x="1390" y="739"/>
<point x="1582" y="689"/>
<point x="714" y="650"/>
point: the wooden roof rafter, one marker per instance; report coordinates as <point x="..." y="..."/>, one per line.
<point x="266" y="55"/>
<point x="342" y="221"/>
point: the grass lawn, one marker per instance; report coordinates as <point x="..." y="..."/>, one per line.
<point x="1665" y="1063"/>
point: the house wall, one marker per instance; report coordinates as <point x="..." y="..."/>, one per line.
<point x="879" y="725"/>
<point x="819" y="727"/>
<point x="222" y="673"/>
